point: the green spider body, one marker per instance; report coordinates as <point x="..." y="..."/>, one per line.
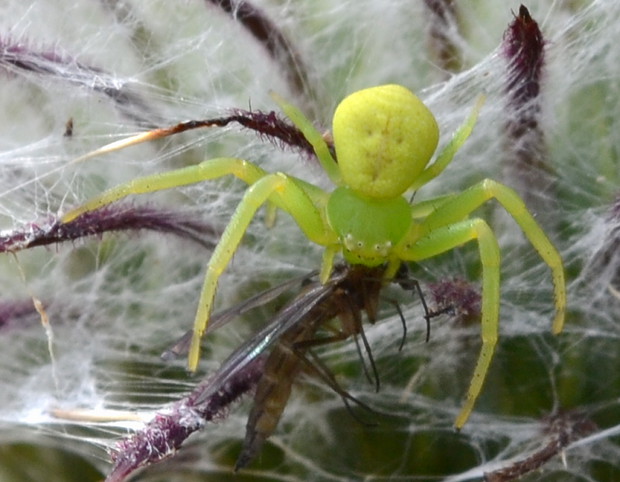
<point x="367" y="229"/>
<point x="384" y="138"/>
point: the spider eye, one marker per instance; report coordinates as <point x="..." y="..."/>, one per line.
<point x="384" y="137"/>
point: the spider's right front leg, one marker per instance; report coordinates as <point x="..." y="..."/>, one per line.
<point x="210" y="169"/>
<point x="286" y="193"/>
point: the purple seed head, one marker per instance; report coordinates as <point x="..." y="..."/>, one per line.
<point x="526" y="163"/>
<point x="560" y="429"/>
<point x="442" y="34"/>
<point x="523" y="47"/>
<point x="614" y="212"/>
<point x="165" y="434"/>
<point x="18" y="58"/>
<point x="268" y="34"/>
<point x="13" y="311"/>
<point x="567" y="426"/>
<point x="458" y="298"/>
<point x="110" y="218"/>
<point x="271" y="126"/>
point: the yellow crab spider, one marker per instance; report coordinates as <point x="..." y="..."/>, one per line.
<point x="384" y="138"/>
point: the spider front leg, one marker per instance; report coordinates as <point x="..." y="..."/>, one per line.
<point x="445" y="228"/>
<point x="298" y="198"/>
<point x="447" y="153"/>
<point x="286" y="193"/>
<point x="211" y="169"/>
<point x="463" y="204"/>
<point x="446" y="238"/>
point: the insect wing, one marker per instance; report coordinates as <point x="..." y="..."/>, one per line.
<point x="181" y="346"/>
<point x="288" y="317"/>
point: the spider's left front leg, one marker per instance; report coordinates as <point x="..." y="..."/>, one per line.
<point x="462" y="205"/>
<point x="446" y="238"/>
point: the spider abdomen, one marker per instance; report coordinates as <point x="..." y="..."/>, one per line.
<point x="384" y="137"/>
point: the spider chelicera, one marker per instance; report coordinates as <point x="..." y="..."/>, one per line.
<point x="384" y="138"/>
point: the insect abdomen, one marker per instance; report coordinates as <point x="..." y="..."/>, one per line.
<point x="272" y="394"/>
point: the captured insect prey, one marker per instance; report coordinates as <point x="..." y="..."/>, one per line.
<point x="320" y="314"/>
<point x="352" y="291"/>
<point x="384" y="138"/>
<point x="270" y="361"/>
